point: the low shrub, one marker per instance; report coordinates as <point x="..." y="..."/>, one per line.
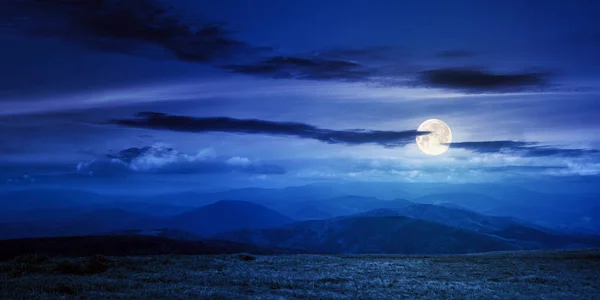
<point x="91" y="265"/>
<point x="246" y="257"/>
<point x="33" y="258"/>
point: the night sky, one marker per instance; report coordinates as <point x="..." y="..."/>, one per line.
<point x="173" y="95"/>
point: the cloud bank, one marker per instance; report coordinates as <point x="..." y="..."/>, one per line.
<point x="154" y="29"/>
<point x="161" y="121"/>
<point x="161" y="158"/>
<point x="138" y="27"/>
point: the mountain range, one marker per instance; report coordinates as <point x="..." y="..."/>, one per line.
<point x="315" y="218"/>
<point x="364" y="234"/>
<point x="203" y="221"/>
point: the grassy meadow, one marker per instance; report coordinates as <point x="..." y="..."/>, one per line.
<point x="569" y="274"/>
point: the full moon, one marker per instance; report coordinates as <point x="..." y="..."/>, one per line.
<point x="436" y="142"/>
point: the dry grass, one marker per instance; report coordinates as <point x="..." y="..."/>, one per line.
<point x="502" y="275"/>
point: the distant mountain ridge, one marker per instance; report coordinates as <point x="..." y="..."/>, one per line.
<point x="314" y="218"/>
<point x="451" y="216"/>
<point x="565" y="212"/>
<point x="364" y="234"/>
<point x="529" y="235"/>
<point x="474" y="201"/>
<point x="227" y="215"/>
<point x="204" y="221"/>
<point x="332" y="207"/>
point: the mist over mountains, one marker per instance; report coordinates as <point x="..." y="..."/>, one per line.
<point x="321" y="218"/>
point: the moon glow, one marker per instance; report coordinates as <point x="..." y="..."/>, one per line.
<point x="436" y="142"/>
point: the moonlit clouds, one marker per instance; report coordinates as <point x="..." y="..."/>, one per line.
<point x="489" y="83"/>
<point x="198" y="89"/>
<point x="526" y="117"/>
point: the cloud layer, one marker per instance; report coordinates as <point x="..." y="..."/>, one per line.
<point x="161" y="121"/>
<point x="161" y="158"/>
<point x="151" y="28"/>
<point x="138" y="27"/>
<point x="525" y="149"/>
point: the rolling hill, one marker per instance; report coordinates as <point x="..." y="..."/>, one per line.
<point x="204" y="221"/>
<point x="531" y="235"/>
<point x="345" y="223"/>
<point x="333" y="207"/>
<point x="451" y="216"/>
<point x="123" y="245"/>
<point x="90" y="222"/>
<point x="478" y="202"/>
<point x="363" y="234"/>
<point x="226" y="215"/>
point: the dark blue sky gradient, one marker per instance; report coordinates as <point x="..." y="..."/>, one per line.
<point x="520" y="74"/>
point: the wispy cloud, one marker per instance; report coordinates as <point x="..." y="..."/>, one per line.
<point x="491" y="146"/>
<point x="161" y="121"/>
<point x="306" y="68"/>
<point x="525" y="149"/>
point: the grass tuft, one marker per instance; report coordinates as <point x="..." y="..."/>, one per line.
<point x="91" y="265"/>
<point x="517" y="275"/>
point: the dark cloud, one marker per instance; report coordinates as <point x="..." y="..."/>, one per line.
<point x="336" y="67"/>
<point x="151" y="28"/>
<point x="306" y="68"/>
<point x="552" y="151"/>
<point x="456" y="53"/>
<point x="129" y="154"/>
<point x="161" y="121"/>
<point x="481" y="81"/>
<point x="139" y="27"/>
<point x="366" y="64"/>
<point x="525" y="149"/>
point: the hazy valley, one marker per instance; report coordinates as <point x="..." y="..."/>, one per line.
<point x="334" y="218"/>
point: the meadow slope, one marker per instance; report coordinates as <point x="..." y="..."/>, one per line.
<point x="568" y="274"/>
